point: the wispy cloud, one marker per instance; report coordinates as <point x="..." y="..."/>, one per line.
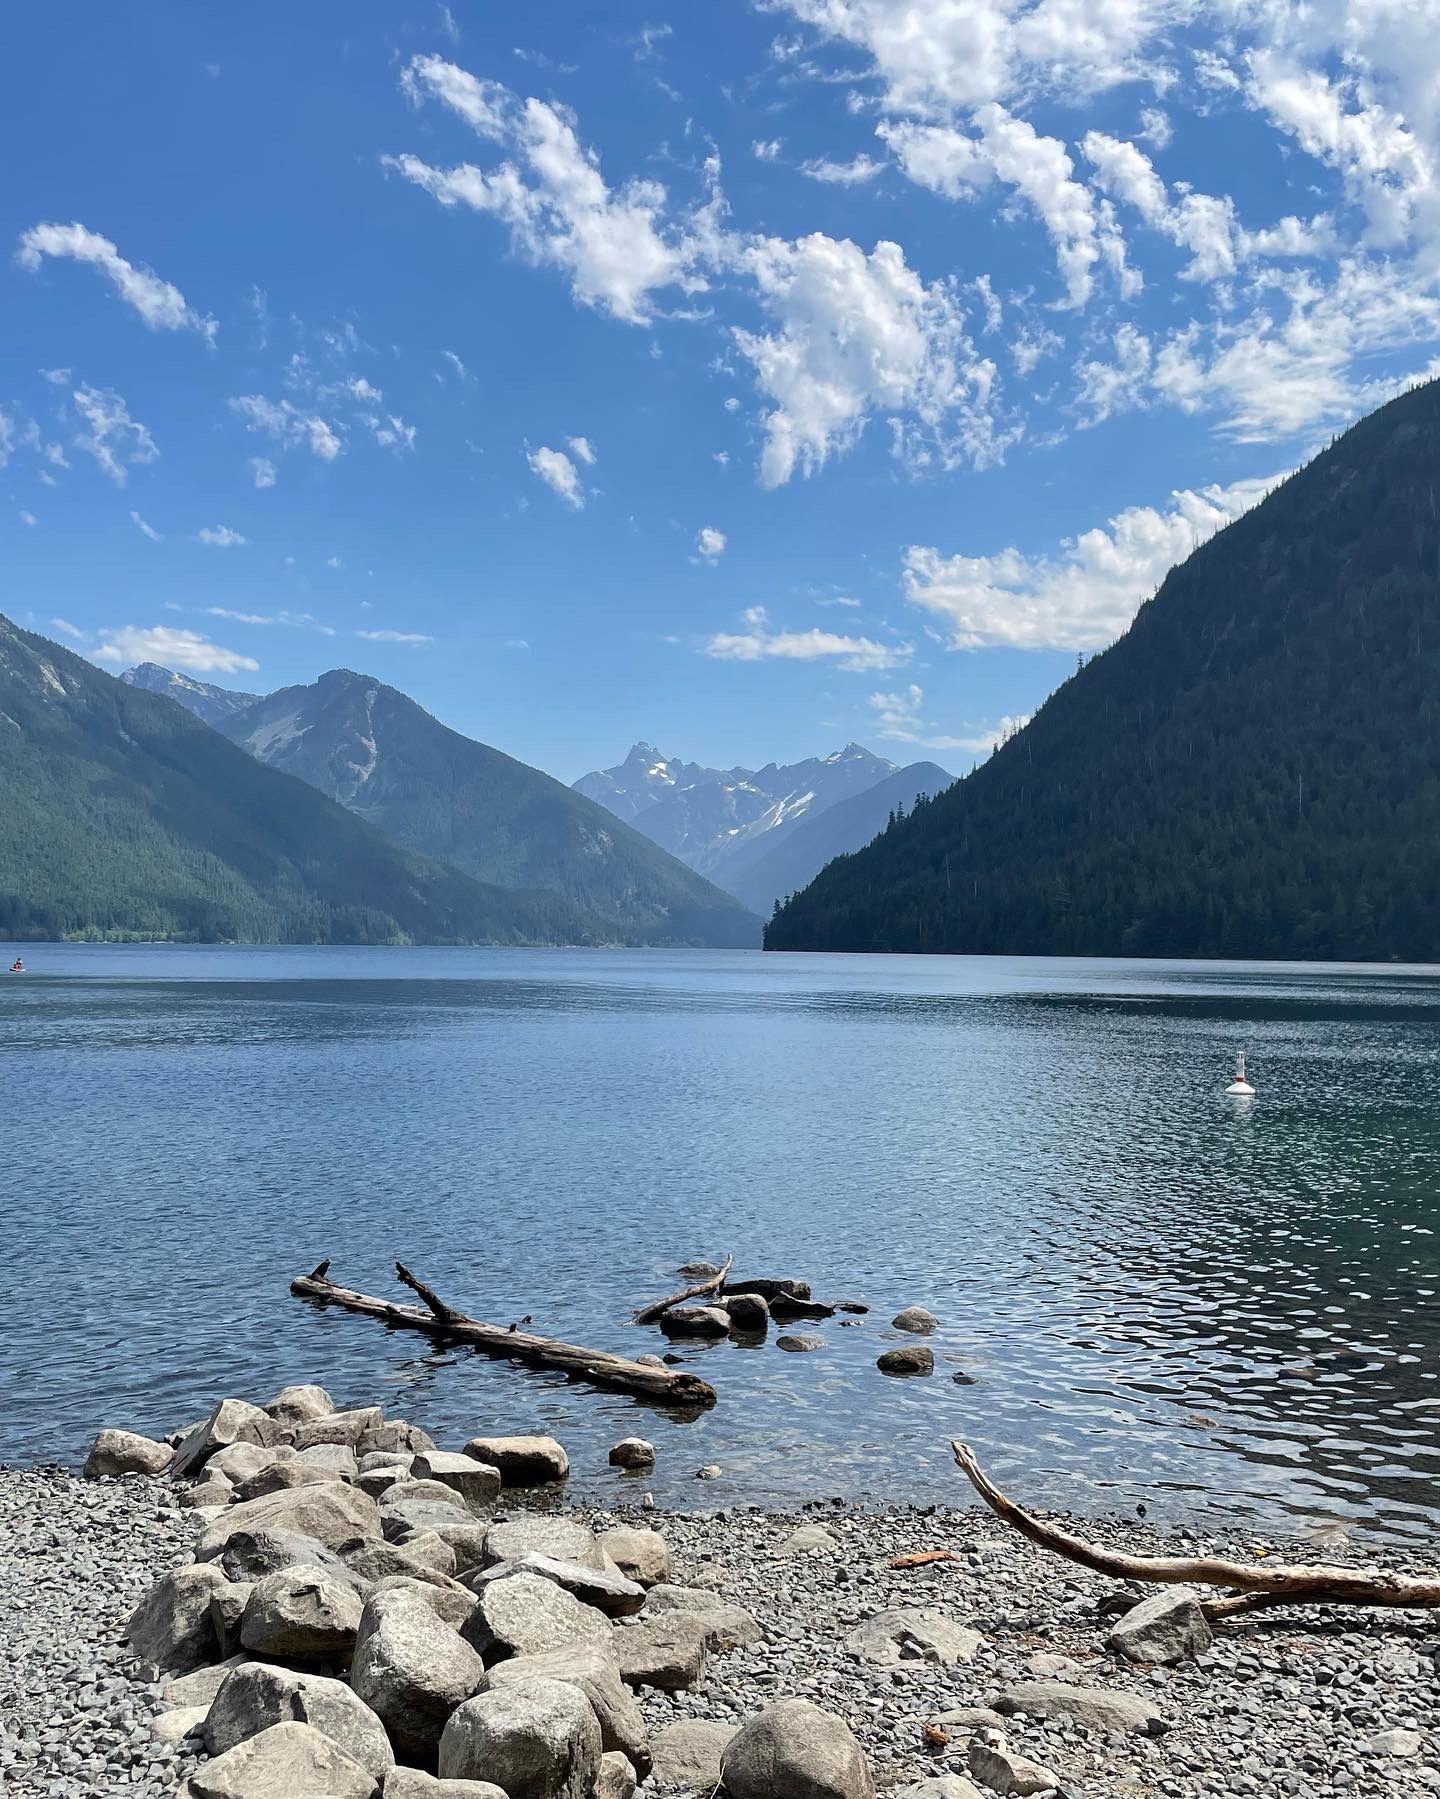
<point x="559" y="474"/>
<point x="146" y="529"/>
<point x="410" y="637"/>
<point x="288" y="425"/>
<point x="899" y="718"/>
<point x="113" y="437"/>
<point x="172" y="648"/>
<point x="262" y="471"/>
<point x="220" y="537"/>
<point x="762" y="643"/>
<point x="160" y="303"/>
<point x="295" y="621"/>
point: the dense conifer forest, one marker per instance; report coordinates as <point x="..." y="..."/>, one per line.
<point x="1253" y="770"/>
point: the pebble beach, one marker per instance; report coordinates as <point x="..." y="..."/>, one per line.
<point x="1003" y="1644"/>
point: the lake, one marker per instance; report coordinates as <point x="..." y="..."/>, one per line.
<point x="1216" y="1308"/>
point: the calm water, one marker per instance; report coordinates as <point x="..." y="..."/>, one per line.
<point x="1163" y="1295"/>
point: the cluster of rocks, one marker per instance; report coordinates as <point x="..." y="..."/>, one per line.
<point x="747" y="1308"/>
<point x="363" y="1614"/>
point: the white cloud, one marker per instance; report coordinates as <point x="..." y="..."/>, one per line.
<point x="262" y="471"/>
<point x="614" y="244"/>
<point x="295" y="621"/>
<point x="220" y="537"/>
<point x="857" y="655"/>
<point x="410" y="637"/>
<point x="66" y="629"/>
<point x="1084" y="596"/>
<point x="710" y="543"/>
<point x="1155" y="128"/>
<point x="559" y="474"/>
<point x="583" y="448"/>
<point x="898" y="717"/>
<point x="159" y="303"/>
<point x="7" y="438"/>
<point x="767" y="149"/>
<point x="457" y="365"/>
<point x="146" y="530"/>
<point x="858" y="170"/>
<point x="172" y="648"/>
<point x="857" y="334"/>
<point x="288" y="425"/>
<point x="28" y="518"/>
<point x="390" y="432"/>
<point x="113" y="437"/>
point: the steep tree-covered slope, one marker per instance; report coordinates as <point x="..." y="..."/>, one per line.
<point x="1252" y="770"/>
<point x="763" y="870"/>
<point x="120" y="814"/>
<point x="375" y="751"/>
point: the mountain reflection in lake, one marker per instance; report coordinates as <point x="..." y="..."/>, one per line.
<point x="1221" y="1308"/>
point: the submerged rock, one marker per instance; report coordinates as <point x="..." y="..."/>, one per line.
<point x="912" y="1359"/>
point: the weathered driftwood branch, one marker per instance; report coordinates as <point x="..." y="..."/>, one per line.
<point x="598" y="1366"/>
<point x="648" y="1314"/>
<point x="1257" y="1587"/>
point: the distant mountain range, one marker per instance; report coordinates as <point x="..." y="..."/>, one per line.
<point x="1253" y="770"/>
<point x="207" y="702"/>
<point x="124" y="816"/>
<point x="374" y="751"/>
<point x="758" y="833"/>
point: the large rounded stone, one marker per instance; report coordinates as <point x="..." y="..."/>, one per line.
<point x="642" y="1555"/>
<point x="410" y="1783"/>
<point x="537" y="1741"/>
<point x="284" y="1762"/>
<point x="793" y="1750"/>
<point x="300" y="1405"/>
<point x="912" y="1359"/>
<point x="302" y="1614"/>
<point x="912" y="1634"/>
<point x="688" y="1755"/>
<point x="255" y="1696"/>
<point x="252" y="1554"/>
<point x="476" y="1484"/>
<point x="232" y="1421"/>
<point x="591" y="1667"/>
<point x="280" y="1476"/>
<point x="562" y="1539"/>
<point x="632" y="1453"/>
<point x="339" y="1427"/>
<point x="334" y="1514"/>
<point x="171" y="1626"/>
<point x="525" y="1614"/>
<point x="1095" y="1707"/>
<point x="126" y="1452"/>
<point x="412" y="1670"/>
<point x="521" y="1461"/>
<point x="607" y="1590"/>
<point x="749" y="1314"/>
<point x="726" y="1627"/>
<point x="916" y="1319"/>
<point x="696" y="1321"/>
<point x="668" y="1652"/>
<point x="1164" y="1629"/>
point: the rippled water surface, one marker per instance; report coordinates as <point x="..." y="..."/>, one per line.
<point x="1163" y="1296"/>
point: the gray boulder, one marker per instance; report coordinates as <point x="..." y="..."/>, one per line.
<point x="591" y="1667"/>
<point x="171" y="1626"/>
<point x="726" y="1627"/>
<point x="288" y="1761"/>
<point x="642" y="1555"/>
<point x="419" y="1559"/>
<point x="200" y="1687"/>
<point x="616" y="1779"/>
<point x="916" y="1319"/>
<point x="688" y="1755"/>
<point x="667" y="1652"/>
<point x="562" y="1539"/>
<point x="238" y="1461"/>
<point x="466" y="1543"/>
<point x="410" y="1783"/>
<point x="794" y="1750"/>
<point x="377" y="1482"/>
<point x="402" y="1459"/>
<point x="405" y="1513"/>
<point x="608" y="1591"/>
<point x="279" y="1476"/>
<point x="1167" y="1628"/>
<point x="254" y="1697"/>
<point x="337" y="1427"/>
<point x="395" y="1434"/>
<point x="799" y="1344"/>
<point x="807" y="1537"/>
<point x="475" y="1484"/>
<point x="911" y="1359"/>
<point x="1091" y="1706"/>
<point x="749" y="1314"/>
<point x="995" y="1765"/>
<point x="524" y="1614"/>
<point x="912" y="1634"/>
<point x="227" y="1611"/>
<point x="696" y="1321"/>
<point x="302" y="1614"/>
<point x="521" y="1461"/>
<point x="411" y="1670"/>
<point x="300" y="1405"/>
<point x="632" y="1452"/>
<point x="331" y="1458"/>
<point x="211" y="1490"/>
<point x="334" y="1514"/>
<point x="536" y="1741"/>
<point x="232" y="1421"/>
<point x="126" y="1452"/>
<point x="451" y="1604"/>
<point x="941" y="1786"/>
<point x="250" y="1555"/>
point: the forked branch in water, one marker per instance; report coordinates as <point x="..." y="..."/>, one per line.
<point x="658" y="1308"/>
<point x="1256" y="1588"/>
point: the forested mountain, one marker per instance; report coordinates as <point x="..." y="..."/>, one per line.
<point x="766" y="869"/>
<point x="375" y="751"/>
<point x="122" y="815"/>
<point x="1252" y="770"/>
<point x="720" y="820"/>
<point x="207" y="702"/>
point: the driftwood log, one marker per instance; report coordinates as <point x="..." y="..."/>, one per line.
<point x="1256" y="1587"/>
<point x="437" y="1319"/>
<point x="713" y="1284"/>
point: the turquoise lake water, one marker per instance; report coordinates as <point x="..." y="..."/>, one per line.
<point x="1214" y="1308"/>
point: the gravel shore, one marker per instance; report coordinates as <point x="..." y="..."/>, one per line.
<point x="1313" y="1701"/>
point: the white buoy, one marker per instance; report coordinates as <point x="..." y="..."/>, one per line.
<point x="1240" y="1088"/>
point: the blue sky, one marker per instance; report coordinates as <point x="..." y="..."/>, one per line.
<point x="747" y="378"/>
